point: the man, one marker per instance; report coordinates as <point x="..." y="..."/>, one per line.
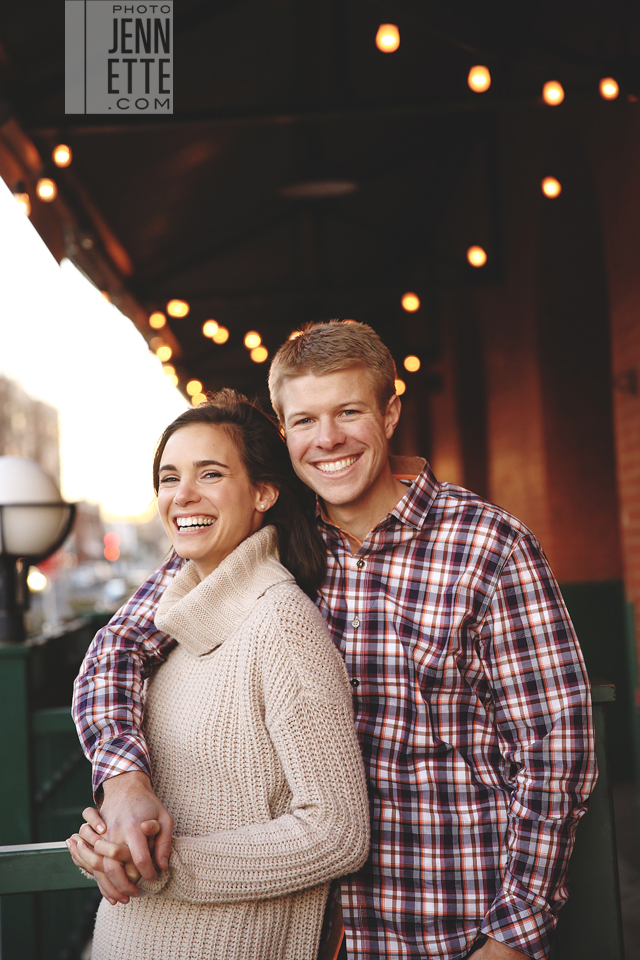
<point x="470" y="696"/>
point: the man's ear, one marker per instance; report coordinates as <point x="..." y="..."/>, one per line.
<point x="392" y="415"/>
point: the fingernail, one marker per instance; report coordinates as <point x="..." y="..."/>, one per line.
<point x="68" y="843"/>
<point x="112" y="902"/>
<point x="100" y="828"/>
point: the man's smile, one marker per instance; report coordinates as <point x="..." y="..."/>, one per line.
<point x="334" y="466"/>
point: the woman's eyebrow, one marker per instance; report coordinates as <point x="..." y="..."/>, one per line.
<point x="209" y="463"/>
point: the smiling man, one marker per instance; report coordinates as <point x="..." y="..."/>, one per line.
<point x="470" y="695"/>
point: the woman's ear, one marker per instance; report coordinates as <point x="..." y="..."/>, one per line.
<point x="266" y="496"/>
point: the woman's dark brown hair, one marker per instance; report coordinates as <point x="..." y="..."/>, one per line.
<point x="265" y="458"/>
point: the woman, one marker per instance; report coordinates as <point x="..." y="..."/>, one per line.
<point x="249" y="721"/>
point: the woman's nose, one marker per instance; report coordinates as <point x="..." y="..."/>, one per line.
<point x="185" y="493"/>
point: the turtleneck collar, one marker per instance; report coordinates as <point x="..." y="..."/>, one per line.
<point x="201" y="614"/>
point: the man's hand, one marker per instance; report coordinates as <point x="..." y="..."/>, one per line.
<point x="129" y="800"/>
<point x="496" y="950"/>
<point x="82" y="847"/>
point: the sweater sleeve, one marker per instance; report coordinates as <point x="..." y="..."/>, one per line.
<point x="325" y="832"/>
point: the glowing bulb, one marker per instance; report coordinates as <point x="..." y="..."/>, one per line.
<point x="62" y="155"/>
<point x="609" y="89"/>
<point x="46" y="189"/>
<point x="198" y="398"/>
<point x="259" y="354"/>
<point x="410" y="302"/>
<point x="252" y="339"/>
<point x="36" y="581"/>
<point x="193" y="387"/>
<point x="412" y="363"/>
<point x="553" y="93"/>
<point x="221" y="335"/>
<point x="387" y="37"/>
<point x="479" y="79"/>
<point x="210" y="328"/>
<point x="157" y="320"/>
<point x="476" y="256"/>
<point x="551" y="187"/>
<point x="23" y="201"/>
<point x="177" y="308"/>
<point x="164" y="353"/>
<point x="169" y="369"/>
<point x="400" y="387"/>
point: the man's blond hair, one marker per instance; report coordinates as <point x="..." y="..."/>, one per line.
<point x="320" y="348"/>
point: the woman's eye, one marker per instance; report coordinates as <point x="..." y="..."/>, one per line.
<point x="212" y="475"/>
<point x="168" y="479"/>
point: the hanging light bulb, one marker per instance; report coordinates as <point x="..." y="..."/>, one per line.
<point x="400" y="387"/>
<point x="221" y="335"/>
<point x="553" y="93"/>
<point x="22" y="198"/>
<point x="387" y="37"/>
<point x="410" y="302"/>
<point x="193" y="387"/>
<point x="177" y="308"/>
<point x="157" y="320"/>
<point x="551" y="187"/>
<point x="609" y="89"/>
<point x="259" y="354"/>
<point x="252" y="339"/>
<point x="412" y="363"/>
<point x="479" y="79"/>
<point x="62" y="155"/>
<point x="210" y="328"/>
<point x="46" y="189"/>
<point x="476" y="256"/>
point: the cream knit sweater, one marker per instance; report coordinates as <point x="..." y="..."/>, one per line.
<point x="253" y="750"/>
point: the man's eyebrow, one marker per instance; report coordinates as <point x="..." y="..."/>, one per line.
<point x="343" y="405"/>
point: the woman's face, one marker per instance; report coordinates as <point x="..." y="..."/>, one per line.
<point x="205" y="499"/>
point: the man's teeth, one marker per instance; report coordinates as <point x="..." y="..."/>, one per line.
<point x="336" y="465"/>
<point x="194" y="521"/>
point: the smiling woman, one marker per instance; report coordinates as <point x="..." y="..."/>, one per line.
<point x="249" y="722"/>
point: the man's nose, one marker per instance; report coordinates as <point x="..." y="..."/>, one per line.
<point x="330" y="434"/>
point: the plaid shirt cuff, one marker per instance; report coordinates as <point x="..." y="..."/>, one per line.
<point x="519" y="925"/>
<point x="120" y="755"/>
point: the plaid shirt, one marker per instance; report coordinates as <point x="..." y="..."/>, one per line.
<point x="472" y="710"/>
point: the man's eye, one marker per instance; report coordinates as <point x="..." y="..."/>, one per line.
<point x="349" y="413"/>
<point x="302" y="421"/>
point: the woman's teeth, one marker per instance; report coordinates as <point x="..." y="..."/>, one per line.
<point x="194" y="521"/>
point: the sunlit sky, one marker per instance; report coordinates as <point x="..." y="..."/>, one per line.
<point x="64" y="344"/>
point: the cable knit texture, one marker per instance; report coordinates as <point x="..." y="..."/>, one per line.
<point x="253" y="750"/>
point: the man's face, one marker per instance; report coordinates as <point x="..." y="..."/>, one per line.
<point x="337" y="436"/>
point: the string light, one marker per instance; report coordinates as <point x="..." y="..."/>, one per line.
<point x="62" y="155"/>
<point x="193" y="387"/>
<point x="609" y="89"/>
<point x="210" y="328"/>
<point x="387" y="38"/>
<point x="412" y="363"/>
<point x="198" y="398"/>
<point x="259" y="354"/>
<point x="479" y="79"/>
<point x="410" y="302"/>
<point x="476" y="256"/>
<point x="177" y="308"/>
<point x="221" y="335"/>
<point x="400" y="387"/>
<point x="551" y="187"/>
<point x="24" y="202"/>
<point x="553" y="93"/>
<point x="164" y="352"/>
<point x="252" y="339"/>
<point x="157" y="320"/>
<point x="46" y="189"/>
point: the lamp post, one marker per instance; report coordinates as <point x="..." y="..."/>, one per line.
<point x="34" y="522"/>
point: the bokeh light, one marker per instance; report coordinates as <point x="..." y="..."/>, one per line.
<point x="198" y="398"/>
<point x="46" y="189"/>
<point x="62" y="155"/>
<point x="164" y="352"/>
<point x="259" y="354"/>
<point x="412" y="363"/>
<point x="551" y="187"/>
<point x="193" y="387"/>
<point x="410" y="302"/>
<point x="36" y="581"/>
<point x="178" y="308"/>
<point x="252" y="339"/>
<point x="476" y="256"/>
<point x="479" y="79"/>
<point x="210" y="328"/>
<point x="221" y="335"/>
<point x="387" y="37"/>
<point x="609" y="89"/>
<point x="553" y="93"/>
<point x="157" y="320"/>
<point x="400" y="387"/>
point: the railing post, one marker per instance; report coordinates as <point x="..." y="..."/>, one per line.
<point x="16" y="810"/>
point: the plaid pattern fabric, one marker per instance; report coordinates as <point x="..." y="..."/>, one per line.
<point x="472" y="709"/>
